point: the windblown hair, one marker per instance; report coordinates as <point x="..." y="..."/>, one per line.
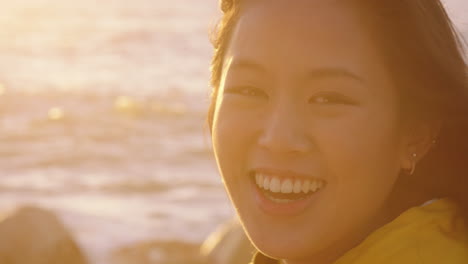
<point x="425" y="56"/>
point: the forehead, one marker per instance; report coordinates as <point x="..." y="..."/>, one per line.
<point x="302" y="12"/>
<point x="302" y="33"/>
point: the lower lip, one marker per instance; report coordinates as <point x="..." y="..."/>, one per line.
<point x="288" y="208"/>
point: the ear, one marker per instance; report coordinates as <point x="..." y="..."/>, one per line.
<point x="418" y="140"/>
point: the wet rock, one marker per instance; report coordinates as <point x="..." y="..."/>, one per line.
<point x="35" y="236"/>
<point x="160" y="252"/>
<point x="228" y="244"/>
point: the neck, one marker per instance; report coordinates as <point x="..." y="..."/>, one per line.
<point x="340" y="248"/>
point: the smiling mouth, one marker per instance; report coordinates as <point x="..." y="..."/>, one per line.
<point x="280" y="189"/>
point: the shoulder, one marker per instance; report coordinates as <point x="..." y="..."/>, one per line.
<point x="426" y="234"/>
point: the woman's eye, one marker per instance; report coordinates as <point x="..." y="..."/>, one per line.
<point x="320" y="100"/>
<point x="246" y="91"/>
<point x="331" y="99"/>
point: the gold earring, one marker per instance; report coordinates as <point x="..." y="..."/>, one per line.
<point x="413" y="164"/>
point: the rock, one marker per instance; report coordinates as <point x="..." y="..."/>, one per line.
<point x="228" y="245"/>
<point x="160" y="252"/>
<point x="35" y="236"/>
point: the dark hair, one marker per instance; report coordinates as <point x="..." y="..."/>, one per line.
<point x="424" y="54"/>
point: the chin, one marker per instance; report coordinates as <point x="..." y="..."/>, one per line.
<point x="281" y="243"/>
<point x="285" y="251"/>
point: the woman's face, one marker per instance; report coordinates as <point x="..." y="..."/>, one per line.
<point x="306" y="129"/>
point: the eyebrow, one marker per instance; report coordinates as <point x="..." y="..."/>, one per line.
<point x="319" y="73"/>
<point x="332" y="72"/>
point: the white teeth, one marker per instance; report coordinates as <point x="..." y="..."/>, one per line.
<point x="305" y="186"/>
<point x="277" y="200"/>
<point x="313" y="186"/>
<point x="260" y="179"/>
<point x="287" y="186"/>
<point x="297" y="186"/>
<point x="266" y="183"/>
<point x="275" y="185"/>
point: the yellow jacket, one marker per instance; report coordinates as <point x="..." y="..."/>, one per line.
<point x="421" y="235"/>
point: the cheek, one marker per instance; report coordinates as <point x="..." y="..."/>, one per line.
<point x="230" y="139"/>
<point x="361" y="151"/>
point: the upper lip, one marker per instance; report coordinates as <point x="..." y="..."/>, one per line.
<point x="284" y="173"/>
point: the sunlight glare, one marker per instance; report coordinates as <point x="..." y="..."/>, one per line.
<point x="56" y="114"/>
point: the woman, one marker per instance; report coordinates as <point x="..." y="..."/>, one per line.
<point x="334" y="121"/>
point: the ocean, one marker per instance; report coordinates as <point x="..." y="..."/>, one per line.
<point x="102" y="118"/>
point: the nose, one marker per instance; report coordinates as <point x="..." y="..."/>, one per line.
<point x="284" y="131"/>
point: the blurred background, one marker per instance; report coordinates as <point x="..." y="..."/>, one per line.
<point x="102" y="120"/>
